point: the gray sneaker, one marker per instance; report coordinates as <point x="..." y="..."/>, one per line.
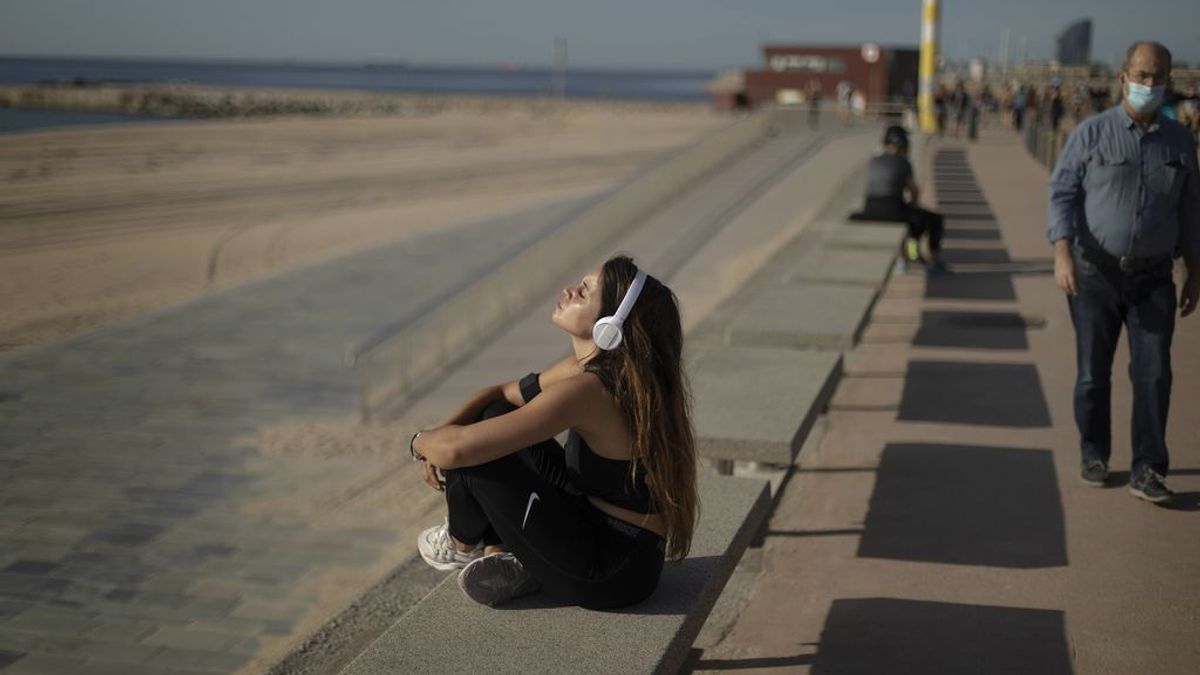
<point x="1094" y="473"/>
<point x="1148" y="484"/>
<point x="495" y="579"/>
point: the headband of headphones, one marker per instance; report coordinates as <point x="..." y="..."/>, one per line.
<point x="607" y="332"/>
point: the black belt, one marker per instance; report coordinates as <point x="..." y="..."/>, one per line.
<point x="1123" y="263"/>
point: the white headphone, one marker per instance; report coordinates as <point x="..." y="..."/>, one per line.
<point x="606" y="333"/>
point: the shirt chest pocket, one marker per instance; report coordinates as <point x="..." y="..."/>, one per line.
<point x="1172" y="172"/>
<point x="1113" y="169"/>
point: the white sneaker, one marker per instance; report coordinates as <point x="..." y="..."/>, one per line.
<point x="438" y="549"/>
<point x="495" y="579"/>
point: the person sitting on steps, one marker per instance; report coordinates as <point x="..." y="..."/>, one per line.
<point x="889" y="176"/>
<point x="590" y="522"/>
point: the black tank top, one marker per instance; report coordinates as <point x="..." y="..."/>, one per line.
<point x="596" y="476"/>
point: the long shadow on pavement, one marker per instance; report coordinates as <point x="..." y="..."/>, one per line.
<point x="976" y="235"/>
<point x="889" y="635"/>
<point x="991" y="286"/>
<point x="975" y="256"/>
<point x="958" y="392"/>
<point x="972" y="330"/>
<point x="966" y="505"/>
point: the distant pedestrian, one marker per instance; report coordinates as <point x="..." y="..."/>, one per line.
<point x="845" y="95"/>
<point x="1125" y="201"/>
<point x="1056" y="109"/>
<point x="1006" y="106"/>
<point x="1019" y="103"/>
<point x="960" y="105"/>
<point x="939" y="109"/>
<point x="814" y="103"/>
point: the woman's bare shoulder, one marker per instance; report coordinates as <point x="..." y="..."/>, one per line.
<point x="595" y="410"/>
<point x="580" y="385"/>
<point x="560" y="371"/>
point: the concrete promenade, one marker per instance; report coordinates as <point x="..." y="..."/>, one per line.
<point x="940" y="526"/>
<point x="191" y="491"/>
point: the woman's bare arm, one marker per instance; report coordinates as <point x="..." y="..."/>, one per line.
<point x="564" y="404"/>
<point x="510" y="391"/>
<point x="470" y="410"/>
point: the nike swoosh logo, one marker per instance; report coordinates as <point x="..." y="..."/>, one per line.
<point x="533" y="497"/>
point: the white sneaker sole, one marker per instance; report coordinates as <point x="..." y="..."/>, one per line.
<point x="1153" y="500"/>
<point x="445" y="567"/>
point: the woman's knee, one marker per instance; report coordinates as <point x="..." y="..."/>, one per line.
<point x="496" y="409"/>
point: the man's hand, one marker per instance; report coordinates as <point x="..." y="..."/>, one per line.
<point x="1064" y="267"/>
<point x="1189" y="295"/>
<point x="433" y="477"/>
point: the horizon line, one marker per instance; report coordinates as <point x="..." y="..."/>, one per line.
<point x="378" y="62"/>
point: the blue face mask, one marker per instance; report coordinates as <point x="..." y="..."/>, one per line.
<point x="1143" y="98"/>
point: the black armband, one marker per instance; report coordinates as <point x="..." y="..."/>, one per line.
<point x="530" y="387"/>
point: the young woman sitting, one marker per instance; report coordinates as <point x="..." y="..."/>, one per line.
<point x="589" y="522"/>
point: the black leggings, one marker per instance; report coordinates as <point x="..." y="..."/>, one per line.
<point x="920" y="221"/>
<point x="526" y="502"/>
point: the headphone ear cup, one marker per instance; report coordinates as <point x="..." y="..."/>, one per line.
<point x="606" y="333"/>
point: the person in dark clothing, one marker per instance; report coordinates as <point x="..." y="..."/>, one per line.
<point x="1057" y="108"/>
<point x="889" y="177"/>
<point x="814" y="103"/>
<point x="1019" y="105"/>
<point x="590" y="522"/>
<point x="940" y="107"/>
<point x="960" y="106"/>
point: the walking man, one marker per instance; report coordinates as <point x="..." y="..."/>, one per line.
<point x="1124" y="202"/>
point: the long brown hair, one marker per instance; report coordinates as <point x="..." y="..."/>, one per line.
<point x="645" y="376"/>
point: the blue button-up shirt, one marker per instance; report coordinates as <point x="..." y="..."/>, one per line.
<point x="1127" y="190"/>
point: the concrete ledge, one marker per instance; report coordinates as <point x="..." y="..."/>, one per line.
<point x="803" y="316"/>
<point x="446" y="632"/>
<point x="759" y="404"/>
<point x="867" y="234"/>
<point x="864" y="267"/>
<point x="394" y="365"/>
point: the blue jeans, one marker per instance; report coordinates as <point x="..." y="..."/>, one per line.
<point x="1144" y="302"/>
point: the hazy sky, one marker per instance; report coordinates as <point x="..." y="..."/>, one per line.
<point x="622" y="33"/>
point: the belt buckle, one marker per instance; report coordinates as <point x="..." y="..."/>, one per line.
<point x="1125" y="263"/>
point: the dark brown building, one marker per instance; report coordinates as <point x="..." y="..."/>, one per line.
<point x="790" y="72"/>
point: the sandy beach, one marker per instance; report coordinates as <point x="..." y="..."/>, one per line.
<point x="101" y="223"/>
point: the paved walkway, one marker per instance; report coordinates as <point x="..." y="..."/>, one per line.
<point x="143" y="528"/>
<point x="175" y="494"/>
<point x="940" y="526"/>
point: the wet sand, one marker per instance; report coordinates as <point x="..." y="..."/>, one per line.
<point x="99" y="224"/>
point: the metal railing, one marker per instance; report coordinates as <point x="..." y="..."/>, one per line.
<point x="1043" y="142"/>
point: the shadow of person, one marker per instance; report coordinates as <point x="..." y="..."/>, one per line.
<point x="1182" y="501"/>
<point x="1117" y="479"/>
